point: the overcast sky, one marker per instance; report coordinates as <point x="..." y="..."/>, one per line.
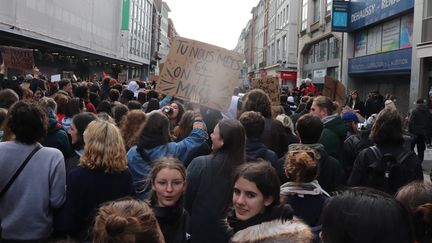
<point x="217" y="22"/>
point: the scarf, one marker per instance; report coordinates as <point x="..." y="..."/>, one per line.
<point x="308" y="188"/>
<point x="283" y="212"/>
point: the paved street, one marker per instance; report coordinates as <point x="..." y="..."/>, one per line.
<point x="427" y="163"/>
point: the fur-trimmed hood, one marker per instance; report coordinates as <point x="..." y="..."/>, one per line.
<point x="290" y="231"/>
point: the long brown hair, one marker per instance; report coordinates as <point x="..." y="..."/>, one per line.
<point x="130" y="127"/>
<point x="126" y="220"/>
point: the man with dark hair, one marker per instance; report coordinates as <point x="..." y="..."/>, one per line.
<point x="82" y="92"/>
<point x="330" y="173"/>
<point x="419" y="125"/>
<point x="26" y="207"/>
<point x="253" y="123"/>
<point x="66" y="86"/>
<point x="7" y="98"/>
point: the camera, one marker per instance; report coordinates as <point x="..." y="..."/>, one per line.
<point x="167" y="110"/>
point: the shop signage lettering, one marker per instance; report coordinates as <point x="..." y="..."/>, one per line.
<point x="201" y="73"/>
<point x="363" y="13"/>
<point x="367" y="12"/>
<point x="388" y="3"/>
<point x="397" y="61"/>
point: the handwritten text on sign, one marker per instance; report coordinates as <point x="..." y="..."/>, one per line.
<point x="18" y="58"/>
<point x="200" y="72"/>
<point x="270" y="85"/>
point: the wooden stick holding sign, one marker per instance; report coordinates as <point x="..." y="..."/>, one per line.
<point x="199" y="72"/>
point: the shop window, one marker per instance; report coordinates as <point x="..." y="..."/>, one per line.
<point x="322" y="51"/>
<point x="329" y="7"/>
<point x="334" y="48"/>
<point x="360" y="44"/>
<point x="316" y="10"/>
<point x="304" y="15"/>
<point x="374" y="40"/>
<point x="333" y="72"/>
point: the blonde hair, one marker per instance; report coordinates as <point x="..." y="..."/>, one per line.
<point x="127" y="221"/>
<point x="104" y="148"/>
<point x="301" y="165"/>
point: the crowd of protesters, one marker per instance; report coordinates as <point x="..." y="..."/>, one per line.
<point x="103" y="161"/>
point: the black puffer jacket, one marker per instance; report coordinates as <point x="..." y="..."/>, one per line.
<point x="410" y="167"/>
<point x="419" y="122"/>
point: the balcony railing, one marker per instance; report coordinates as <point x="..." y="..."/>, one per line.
<point x="427" y="29"/>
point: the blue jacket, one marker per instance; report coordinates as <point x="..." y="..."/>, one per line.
<point x="182" y="150"/>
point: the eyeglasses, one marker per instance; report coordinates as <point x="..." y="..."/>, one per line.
<point x="173" y="183"/>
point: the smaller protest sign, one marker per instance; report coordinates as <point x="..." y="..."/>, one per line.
<point x="55" y="78"/>
<point x="270" y="85"/>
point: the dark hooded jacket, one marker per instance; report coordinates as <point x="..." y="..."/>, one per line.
<point x="333" y="136"/>
<point x="419" y="120"/>
<point x="255" y="149"/>
<point x="57" y="136"/>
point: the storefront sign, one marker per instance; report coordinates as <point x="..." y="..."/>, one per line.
<point x="366" y="12"/>
<point x="288" y="75"/>
<point x="394" y="61"/>
<point x="340" y="16"/>
<point x="320" y="73"/>
<point x="199" y="72"/>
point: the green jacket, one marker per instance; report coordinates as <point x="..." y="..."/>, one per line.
<point x="333" y="136"/>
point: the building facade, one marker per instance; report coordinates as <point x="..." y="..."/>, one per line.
<point x="269" y="41"/>
<point x="378" y="49"/>
<point x="164" y="40"/>
<point x="421" y="70"/>
<point x="319" y="48"/>
<point x="84" y="37"/>
<point x="282" y="42"/>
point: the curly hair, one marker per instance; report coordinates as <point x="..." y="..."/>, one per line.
<point x="301" y="165"/>
<point x="104" y="148"/>
<point x="257" y="100"/>
<point x="28" y="121"/>
<point x="128" y="221"/>
<point x="130" y="127"/>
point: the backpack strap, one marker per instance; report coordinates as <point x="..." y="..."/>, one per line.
<point x="376" y="152"/>
<point x="404" y="155"/>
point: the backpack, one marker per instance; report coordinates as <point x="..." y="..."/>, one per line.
<point x="386" y="172"/>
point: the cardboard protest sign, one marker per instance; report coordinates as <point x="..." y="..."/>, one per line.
<point x="56" y="78"/>
<point x="334" y="89"/>
<point x="270" y="85"/>
<point x="68" y="75"/>
<point x="18" y="58"/>
<point x="121" y="77"/>
<point x="201" y="73"/>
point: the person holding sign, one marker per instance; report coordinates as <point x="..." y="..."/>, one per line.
<point x="154" y="142"/>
